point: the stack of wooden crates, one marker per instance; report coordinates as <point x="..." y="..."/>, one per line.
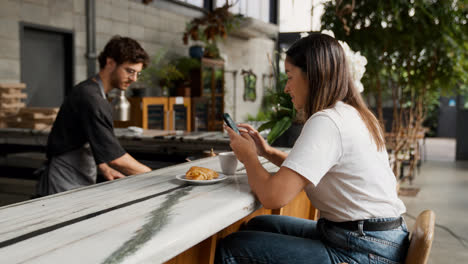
<point x="11" y="101"/>
<point x="13" y="112"/>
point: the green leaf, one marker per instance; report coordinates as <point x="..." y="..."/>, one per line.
<point x="266" y="125"/>
<point x="282" y="111"/>
<point x="279" y="128"/>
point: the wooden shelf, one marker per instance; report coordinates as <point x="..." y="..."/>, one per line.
<point x="212" y="62"/>
<point x="208" y="82"/>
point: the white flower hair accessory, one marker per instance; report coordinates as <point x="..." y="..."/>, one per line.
<point x="356" y="62"/>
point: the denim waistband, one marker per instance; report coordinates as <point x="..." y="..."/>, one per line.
<point x="368" y="224"/>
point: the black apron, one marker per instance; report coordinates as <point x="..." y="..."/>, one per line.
<point x="71" y="170"/>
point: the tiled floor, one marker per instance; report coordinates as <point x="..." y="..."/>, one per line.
<point x="443" y="187"/>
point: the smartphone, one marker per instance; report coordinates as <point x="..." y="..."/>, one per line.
<point x="230" y="123"/>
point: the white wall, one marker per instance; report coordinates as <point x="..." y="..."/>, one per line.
<point x="245" y="54"/>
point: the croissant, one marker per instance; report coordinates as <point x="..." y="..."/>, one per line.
<point x="199" y="173"/>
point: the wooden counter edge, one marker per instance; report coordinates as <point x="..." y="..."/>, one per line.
<point x="204" y="252"/>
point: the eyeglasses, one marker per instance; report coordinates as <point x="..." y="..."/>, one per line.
<point x="132" y="72"/>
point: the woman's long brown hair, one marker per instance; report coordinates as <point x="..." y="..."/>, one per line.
<point x="323" y="59"/>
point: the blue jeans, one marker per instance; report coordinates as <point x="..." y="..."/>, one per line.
<point x="284" y="239"/>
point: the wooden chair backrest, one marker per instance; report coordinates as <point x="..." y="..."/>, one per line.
<point x="421" y="239"/>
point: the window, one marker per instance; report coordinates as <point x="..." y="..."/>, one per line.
<point x="197" y="3"/>
<point x="259" y="9"/>
<point x="264" y="10"/>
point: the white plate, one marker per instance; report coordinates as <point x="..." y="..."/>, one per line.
<point x="221" y="177"/>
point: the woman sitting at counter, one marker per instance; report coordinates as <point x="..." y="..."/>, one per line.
<point x="339" y="160"/>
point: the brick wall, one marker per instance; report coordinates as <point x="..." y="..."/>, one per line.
<point x="153" y="27"/>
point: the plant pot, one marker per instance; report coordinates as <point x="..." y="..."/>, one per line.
<point x="196" y="52"/>
<point x="165" y="92"/>
<point x="289" y="137"/>
<point x="138" y="92"/>
<point x="183" y="91"/>
<point x="211" y="52"/>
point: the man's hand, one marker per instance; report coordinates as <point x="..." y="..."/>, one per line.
<point x="109" y="173"/>
<point x="128" y="165"/>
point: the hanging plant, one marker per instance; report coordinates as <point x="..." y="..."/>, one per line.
<point x="209" y="28"/>
<point x="250" y="85"/>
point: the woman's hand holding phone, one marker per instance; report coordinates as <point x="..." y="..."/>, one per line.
<point x="243" y="145"/>
<point x="260" y="143"/>
<point x="230" y="123"/>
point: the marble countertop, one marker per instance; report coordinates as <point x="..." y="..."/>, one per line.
<point x="157" y="141"/>
<point x="147" y="218"/>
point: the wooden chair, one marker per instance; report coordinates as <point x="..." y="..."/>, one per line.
<point x="421" y="238"/>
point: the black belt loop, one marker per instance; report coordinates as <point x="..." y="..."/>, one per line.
<point x="361" y="228"/>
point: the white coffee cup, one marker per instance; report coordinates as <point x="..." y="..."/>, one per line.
<point x="228" y="162"/>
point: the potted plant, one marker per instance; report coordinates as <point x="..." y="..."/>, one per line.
<point x="168" y="75"/>
<point x="186" y="66"/>
<point x="161" y="73"/>
<point x="279" y="110"/>
<point x="278" y="113"/>
<point x="208" y="29"/>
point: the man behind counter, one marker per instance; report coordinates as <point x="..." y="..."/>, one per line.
<point x="82" y="138"/>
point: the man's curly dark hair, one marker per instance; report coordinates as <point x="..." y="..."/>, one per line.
<point x="121" y="50"/>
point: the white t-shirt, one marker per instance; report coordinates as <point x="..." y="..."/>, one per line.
<point x="350" y="179"/>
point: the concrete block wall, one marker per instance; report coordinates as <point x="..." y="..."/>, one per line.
<point x="154" y="27"/>
<point x="61" y="14"/>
